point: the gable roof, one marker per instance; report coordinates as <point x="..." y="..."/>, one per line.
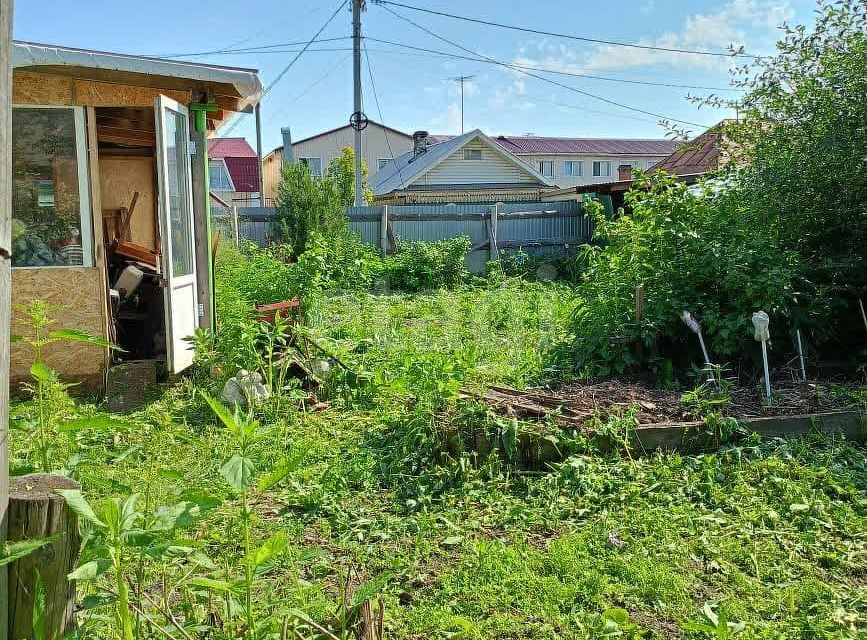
<point x="230" y="148"/>
<point x="698" y="156"/>
<point x="408" y="168"/>
<point x="602" y="146"/>
<point x="241" y="161"/>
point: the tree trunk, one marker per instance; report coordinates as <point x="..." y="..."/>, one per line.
<point x="36" y="511"/>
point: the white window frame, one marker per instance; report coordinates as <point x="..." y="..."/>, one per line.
<point x="308" y="159"/>
<point x="600" y="164"/>
<point x="570" y="172"/>
<point x="472" y="154"/>
<point x="222" y="161"/>
<point x="382" y="163"/>
<point x="540" y="165"/>
<point x="85" y="212"/>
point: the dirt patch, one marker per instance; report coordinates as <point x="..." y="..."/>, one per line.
<point x="574" y="404"/>
<point x="664" y="627"/>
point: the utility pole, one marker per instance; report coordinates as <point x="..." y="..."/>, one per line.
<point x="462" y="79"/>
<point x="5" y="276"/>
<point x="358" y="115"/>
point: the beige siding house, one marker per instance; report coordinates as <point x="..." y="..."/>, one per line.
<point x="380" y="145"/>
<point x="467" y="168"/>
<point x="571" y="162"/>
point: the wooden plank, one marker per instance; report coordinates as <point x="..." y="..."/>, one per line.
<point x="120" y="135"/>
<point x="540" y="242"/>
<point x="538" y="215"/>
<point x="99" y="257"/>
<point x="5" y="277"/>
<point x="199" y="169"/>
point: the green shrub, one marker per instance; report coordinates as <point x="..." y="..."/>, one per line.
<point x="706" y="253"/>
<point x="419" y="265"/>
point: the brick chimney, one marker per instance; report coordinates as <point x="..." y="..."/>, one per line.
<point x="624" y="172"/>
<point x="419" y="143"/>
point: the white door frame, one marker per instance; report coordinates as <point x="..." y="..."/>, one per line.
<point x="178" y="356"/>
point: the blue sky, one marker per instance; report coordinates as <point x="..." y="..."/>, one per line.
<point x="414" y="88"/>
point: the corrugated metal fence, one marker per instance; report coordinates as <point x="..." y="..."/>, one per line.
<point x="545" y="228"/>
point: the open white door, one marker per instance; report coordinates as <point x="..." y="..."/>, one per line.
<point x="176" y="224"/>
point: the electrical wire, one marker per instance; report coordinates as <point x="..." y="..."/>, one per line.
<point x="282" y="73"/>
<point x="613" y="43"/>
<point x="561" y="72"/>
<point x="537" y="76"/>
<point x="275" y="114"/>
<point x="379" y="111"/>
<point x="260" y="49"/>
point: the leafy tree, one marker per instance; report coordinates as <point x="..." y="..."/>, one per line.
<point x="309" y="205"/>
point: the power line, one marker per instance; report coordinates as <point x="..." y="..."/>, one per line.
<point x="537" y="76"/>
<point x="259" y="49"/>
<point x="613" y="43"/>
<point x="574" y="74"/>
<point x="275" y="114"/>
<point x="287" y="67"/>
<point x="379" y="111"/>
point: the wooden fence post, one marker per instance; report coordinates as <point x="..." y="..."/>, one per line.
<point x="383" y="230"/>
<point x="5" y="275"/>
<point x="36" y="511"/>
<point x="494" y="252"/>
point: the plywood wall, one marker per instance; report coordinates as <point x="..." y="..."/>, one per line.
<point x="80" y="303"/>
<point x="29" y="87"/>
<point x="120" y="177"/>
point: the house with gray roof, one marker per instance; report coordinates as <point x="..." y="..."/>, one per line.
<point x="468" y="168"/>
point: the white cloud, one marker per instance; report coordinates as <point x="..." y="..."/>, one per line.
<point x="732" y="24"/>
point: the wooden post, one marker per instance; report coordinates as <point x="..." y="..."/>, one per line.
<point x="36" y="511"/>
<point x="494" y="252"/>
<point x="5" y="275"/>
<point x="383" y="230"/>
<point x="202" y="224"/>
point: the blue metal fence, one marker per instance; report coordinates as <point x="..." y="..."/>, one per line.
<point x="543" y="228"/>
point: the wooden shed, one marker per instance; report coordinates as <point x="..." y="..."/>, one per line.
<point x="110" y="209"/>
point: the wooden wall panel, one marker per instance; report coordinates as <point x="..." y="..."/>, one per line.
<point x="29" y="87"/>
<point x="80" y="301"/>
<point x="120" y="177"/>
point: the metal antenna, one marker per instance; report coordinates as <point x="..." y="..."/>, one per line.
<point x="462" y="79"/>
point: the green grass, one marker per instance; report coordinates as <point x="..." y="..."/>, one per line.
<point x="771" y="533"/>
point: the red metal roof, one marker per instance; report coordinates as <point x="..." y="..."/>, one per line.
<point x="230" y="148"/>
<point x="602" y="146"/>
<point x="241" y="161"/>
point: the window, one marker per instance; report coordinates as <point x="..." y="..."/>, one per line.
<point x="50" y="207"/>
<point x="546" y="168"/>
<point x="574" y="168"/>
<point x="382" y="163"/>
<point x="314" y="164"/>
<point x="601" y="169"/>
<point x="472" y="154"/>
<point x="219" y="177"/>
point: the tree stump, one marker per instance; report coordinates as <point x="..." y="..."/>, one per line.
<point x="36" y="511"/>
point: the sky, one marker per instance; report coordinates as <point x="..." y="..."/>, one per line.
<point x="415" y="89"/>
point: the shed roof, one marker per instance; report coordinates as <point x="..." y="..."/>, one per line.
<point x="698" y="156"/>
<point x="240" y="86"/>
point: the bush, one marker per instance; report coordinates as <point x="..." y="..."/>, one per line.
<point x="706" y="253"/>
<point x="420" y="265"/>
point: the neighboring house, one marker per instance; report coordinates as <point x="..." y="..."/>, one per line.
<point x="109" y="218"/>
<point x="571" y="162"/>
<point x="689" y="161"/>
<point x="379" y="145"/>
<point x="467" y="168"/>
<point x="697" y="157"/>
<point x="234" y="171"/>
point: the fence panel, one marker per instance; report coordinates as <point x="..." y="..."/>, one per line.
<point x="544" y="229"/>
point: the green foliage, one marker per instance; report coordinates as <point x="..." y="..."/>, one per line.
<point x="50" y="410"/>
<point x="421" y="266"/>
<point x="705" y="253"/>
<point x="311" y="206"/>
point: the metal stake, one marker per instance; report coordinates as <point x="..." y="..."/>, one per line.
<point x="801" y="356"/>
